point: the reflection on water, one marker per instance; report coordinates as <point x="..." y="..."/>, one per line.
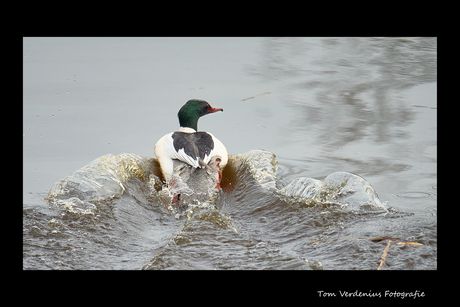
<point x="349" y="87"/>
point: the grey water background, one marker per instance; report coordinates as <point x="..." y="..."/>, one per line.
<point x="362" y="105"/>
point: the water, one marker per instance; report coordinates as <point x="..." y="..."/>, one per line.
<point x="366" y="106"/>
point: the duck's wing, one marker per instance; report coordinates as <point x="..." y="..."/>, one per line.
<point x="191" y="146"/>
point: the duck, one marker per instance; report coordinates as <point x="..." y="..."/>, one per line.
<point x="196" y="148"/>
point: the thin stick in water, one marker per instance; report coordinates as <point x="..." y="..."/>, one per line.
<point x="384" y="255"/>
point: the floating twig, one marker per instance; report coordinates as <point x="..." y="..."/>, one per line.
<point x="266" y="93"/>
<point x="410" y="243"/>
<point x="378" y="239"/>
<point x="384" y="255"/>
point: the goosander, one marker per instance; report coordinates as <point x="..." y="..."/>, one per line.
<point x="196" y="148"/>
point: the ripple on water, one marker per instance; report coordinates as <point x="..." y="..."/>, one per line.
<point x="413" y="195"/>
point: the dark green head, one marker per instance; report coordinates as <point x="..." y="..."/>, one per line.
<point x="192" y="111"/>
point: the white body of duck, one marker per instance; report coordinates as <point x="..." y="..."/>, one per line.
<point x="187" y="145"/>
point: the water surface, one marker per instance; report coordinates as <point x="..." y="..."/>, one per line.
<point x="361" y="105"/>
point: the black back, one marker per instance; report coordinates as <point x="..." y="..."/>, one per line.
<point x="197" y="144"/>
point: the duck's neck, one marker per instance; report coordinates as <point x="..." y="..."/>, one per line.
<point x="188" y="120"/>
